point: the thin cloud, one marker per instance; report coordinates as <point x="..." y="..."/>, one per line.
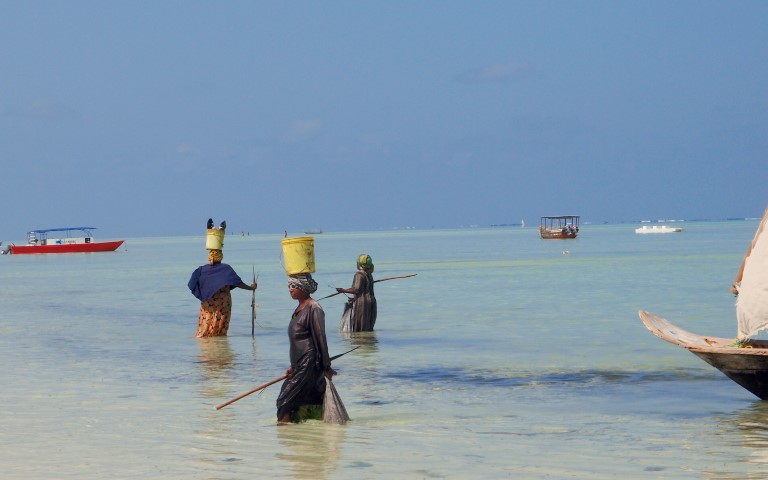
<point x="39" y="108"/>
<point x="496" y="72"/>
<point x="302" y="129"/>
<point x="186" y="156"/>
<point x="187" y="149"/>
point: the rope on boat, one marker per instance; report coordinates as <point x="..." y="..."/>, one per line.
<point x="740" y="344"/>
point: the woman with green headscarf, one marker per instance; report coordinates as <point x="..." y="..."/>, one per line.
<point x="363" y="303"/>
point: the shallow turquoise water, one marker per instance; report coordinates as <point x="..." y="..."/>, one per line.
<point x="505" y="357"/>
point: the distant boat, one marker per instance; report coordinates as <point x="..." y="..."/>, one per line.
<point x="314" y="232"/>
<point x="38" y="241"/>
<point x="559" y="227"/>
<point x="743" y="359"/>
<point x="658" y="229"/>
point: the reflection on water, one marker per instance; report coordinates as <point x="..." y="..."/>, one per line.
<point x="364" y="360"/>
<point x="215" y="362"/>
<point x="366" y="339"/>
<point x="312" y="448"/>
<point x="753" y="425"/>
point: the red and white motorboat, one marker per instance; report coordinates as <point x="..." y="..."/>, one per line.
<point x="39" y="241"/>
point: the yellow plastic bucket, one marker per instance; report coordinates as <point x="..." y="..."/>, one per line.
<point x="214" y="240"/>
<point x="299" y="255"/>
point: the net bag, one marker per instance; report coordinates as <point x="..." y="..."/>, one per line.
<point x="333" y="408"/>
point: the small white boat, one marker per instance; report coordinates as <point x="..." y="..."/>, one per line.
<point x="658" y="229"/>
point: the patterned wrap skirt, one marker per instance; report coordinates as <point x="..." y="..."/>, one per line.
<point x="215" y="313"/>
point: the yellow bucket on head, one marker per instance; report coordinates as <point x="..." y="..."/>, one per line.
<point x="299" y="255"/>
<point x="214" y="240"/>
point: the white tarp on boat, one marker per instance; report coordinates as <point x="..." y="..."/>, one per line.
<point x="752" y="301"/>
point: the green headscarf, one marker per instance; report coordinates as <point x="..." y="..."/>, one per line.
<point x="365" y="262"/>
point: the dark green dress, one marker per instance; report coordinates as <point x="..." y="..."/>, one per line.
<point x="364" y="310"/>
<point x="309" y="361"/>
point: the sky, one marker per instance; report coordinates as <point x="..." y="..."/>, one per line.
<point x="145" y="118"/>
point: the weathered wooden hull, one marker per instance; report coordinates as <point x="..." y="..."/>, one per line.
<point x="67" y="248"/>
<point x="747" y="367"/>
<point x="749" y="371"/>
<point x="556" y="234"/>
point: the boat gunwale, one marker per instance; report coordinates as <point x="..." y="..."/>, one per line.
<point x="668" y="331"/>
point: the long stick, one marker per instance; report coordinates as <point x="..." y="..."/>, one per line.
<point x="328" y="296"/>
<point x="342" y="354"/>
<point x="375" y="281"/>
<point x="261" y="387"/>
<point x="393" y="278"/>
<point x="253" y="305"/>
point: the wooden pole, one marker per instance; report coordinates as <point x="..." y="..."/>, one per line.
<point x="375" y="281"/>
<point x="261" y="387"/>
<point x="393" y="278"/>
<point x="253" y="305"/>
<point x="328" y="296"/>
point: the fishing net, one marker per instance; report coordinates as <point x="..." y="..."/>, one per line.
<point x="333" y="407"/>
<point x="346" y="318"/>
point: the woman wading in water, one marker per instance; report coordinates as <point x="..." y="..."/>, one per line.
<point x="310" y="363"/>
<point x="363" y="304"/>
<point x="211" y="284"/>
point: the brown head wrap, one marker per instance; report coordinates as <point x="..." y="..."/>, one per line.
<point x="215" y="256"/>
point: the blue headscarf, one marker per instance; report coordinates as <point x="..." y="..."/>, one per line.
<point x="209" y="279"/>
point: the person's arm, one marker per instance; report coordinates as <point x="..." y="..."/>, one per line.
<point x="357" y="285"/>
<point x="245" y="286"/>
<point x="237" y="282"/>
<point x="321" y="342"/>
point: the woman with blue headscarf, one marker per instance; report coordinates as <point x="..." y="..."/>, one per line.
<point x="211" y="284"/>
<point x="363" y="304"/>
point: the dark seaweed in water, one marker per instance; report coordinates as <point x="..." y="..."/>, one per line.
<point x="588" y="377"/>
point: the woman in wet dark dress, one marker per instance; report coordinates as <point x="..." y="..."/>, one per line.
<point x="310" y="363"/>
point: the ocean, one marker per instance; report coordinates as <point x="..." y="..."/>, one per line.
<point x="506" y="356"/>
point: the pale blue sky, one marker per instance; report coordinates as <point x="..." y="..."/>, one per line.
<point x="148" y="117"/>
